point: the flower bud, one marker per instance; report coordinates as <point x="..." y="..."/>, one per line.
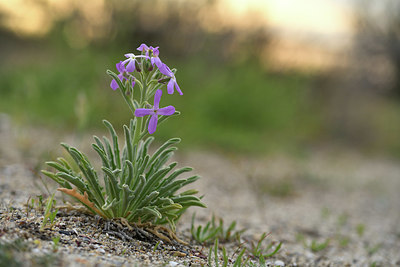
<point x="164" y="80"/>
<point x="137" y="67"/>
<point x="147" y="66"/>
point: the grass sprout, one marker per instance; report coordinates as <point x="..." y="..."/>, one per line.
<point x="248" y="253"/>
<point x="56" y="243"/>
<point x="38" y="203"/>
<point x="213" y="254"/>
<point x="212" y="231"/>
<point x="360" y="228"/>
<point x="261" y="252"/>
<point x="371" y="250"/>
<point x="318" y="246"/>
<point x="49" y="215"/>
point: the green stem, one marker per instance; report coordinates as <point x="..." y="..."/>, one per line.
<point x="139" y="124"/>
<point x="138" y="130"/>
<point x="128" y="101"/>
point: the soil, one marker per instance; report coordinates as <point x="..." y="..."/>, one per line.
<point x="327" y="207"/>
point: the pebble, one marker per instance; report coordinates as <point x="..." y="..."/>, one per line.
<point x="279" y="263"/>
<point x="173" y="263"/>
<point x="100" y="250"/>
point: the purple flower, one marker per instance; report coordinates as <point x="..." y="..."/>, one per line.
<point x="130" y="67"/>
<point x="164" y="69"/>
<point x="154" y="112"/>
<point x="123" y="73"/>
<point x="154" y="59"/>
<point x="143" y="48"/>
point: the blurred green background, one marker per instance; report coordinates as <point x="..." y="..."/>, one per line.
<point x="257" y="76"/>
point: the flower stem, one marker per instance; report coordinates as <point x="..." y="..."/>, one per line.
<point x="143" y="99"/>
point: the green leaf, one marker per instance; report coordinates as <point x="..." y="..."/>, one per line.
<point x="65" y="163"/>
<point x="102" y="155"/>
<point x="174" y="206"/>
<point x="152" y="211"/>
<point x="160" y="160"/>
<point x="47" y="212"/>
<point x="89" y="173"/>
<point x="77" y="181"/>
<point x="147" y="199"/>
<point x="238" y="261"/>
<point x="113" y="181"/>
<point x="186" y="198"/>
<point x="142" y="152"/>
<point x="115" y="77"/>
<point x="278" y="247"/>
<point x="115" y="143"/>
<point x="136" y="192"/>
<point x="126" y="197"/>
<point x="175" y="174"/>
<point x="128" y="144"/>
<point x="170" y="142"/>
<point x="171" y="188"/>
<point x="57" y="166"/>
<point x="154" y="179"/>
<point x="109" y="152"/>
<point x="130" y="176"/>
<point x="109" y="205"/>
<point x="143" y="164"/>
<point x="57" y="179"/>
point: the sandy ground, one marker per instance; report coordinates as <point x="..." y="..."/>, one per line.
<point x="346" y="199"/>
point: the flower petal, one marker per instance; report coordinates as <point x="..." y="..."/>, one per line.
<point x="166" y="111"/>
<point x="130" y="55"/>
<point x="170" y="87"/>
<point x="140" y="112"/>
<point x="114" y="85"/>
<point x="120" y="67"/>
<point x="156" y="52"/>
<point x="143" y="47"/>
<point x="177" y="87"/>
<point x="153" y="124"/>
<point x="165" y="70"/>
<point x="157" y="98"/>
<point x="126" y="61"/>
<point x="131" y="65"/>
<point x="157" y="61"/>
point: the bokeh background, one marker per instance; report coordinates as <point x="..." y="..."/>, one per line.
<point x="258" y="76"/>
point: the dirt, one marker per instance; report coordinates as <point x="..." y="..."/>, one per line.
<point x="327" y="207"/>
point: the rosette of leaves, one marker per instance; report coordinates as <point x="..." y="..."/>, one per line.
<point x="137" y="186"/>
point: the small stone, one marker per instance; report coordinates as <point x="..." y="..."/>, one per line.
<point x="100" y="250"/>
<point x="173" y="263"/>
<point x="179" y="254"/>
<point x="279" y="263"/>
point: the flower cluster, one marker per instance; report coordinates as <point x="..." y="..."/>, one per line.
<point x="150" y="73"/>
